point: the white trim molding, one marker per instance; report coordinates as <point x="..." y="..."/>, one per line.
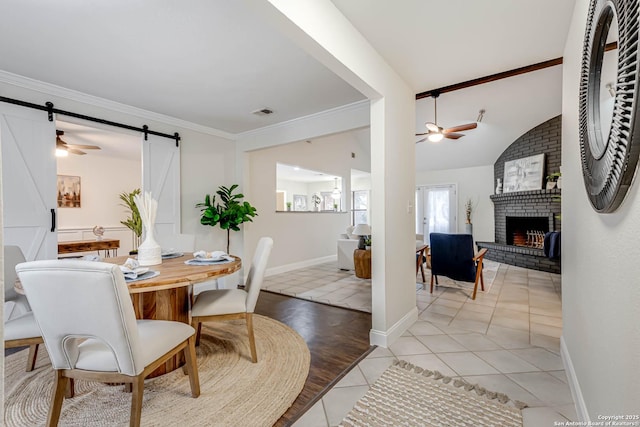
<point x="297" y="265"/>
<point x="340" y="119"/>
<point x="386" y="338"/>
<point x="73" y="95"/>
<point x="574" y="385"/>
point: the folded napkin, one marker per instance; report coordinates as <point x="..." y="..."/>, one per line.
<point x="130" y="269"/>
<point x="212" y="256"/>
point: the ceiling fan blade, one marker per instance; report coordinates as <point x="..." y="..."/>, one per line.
<point x="453" y="135"/>
<point x="420" y="134"/>
<point x="74" y="151"/>
<point x="421" y="140"/>
<point x="84" y="147"/>
<point x="461" y="128"/>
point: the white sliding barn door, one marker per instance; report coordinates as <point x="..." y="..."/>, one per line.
<point x="29" y="181"/>
<point x="161" y="176"/>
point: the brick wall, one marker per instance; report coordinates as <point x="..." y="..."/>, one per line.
<point x="544" y="138"/>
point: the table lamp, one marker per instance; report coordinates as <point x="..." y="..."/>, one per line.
<point x="361" y="230"/>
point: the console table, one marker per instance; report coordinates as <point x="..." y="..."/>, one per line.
<point x="106" y="245"/>
<point x="362" y="263"/>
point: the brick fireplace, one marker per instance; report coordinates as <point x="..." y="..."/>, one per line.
<point x="522" y="217"/>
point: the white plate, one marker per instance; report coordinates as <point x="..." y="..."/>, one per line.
<point x="140" y="270"/>
<point x="220" y="258"/>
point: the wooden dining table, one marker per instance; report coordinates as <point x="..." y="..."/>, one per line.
<point x="167" y="296"/>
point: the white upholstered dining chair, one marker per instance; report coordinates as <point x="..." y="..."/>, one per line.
<point x="86" y="317"/>
<point x="15" y="304"/>
<point x="20" y="328"/>
<point x="226" y="304"/>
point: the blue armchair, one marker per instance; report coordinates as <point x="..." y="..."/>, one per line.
<point x="452" y="255"/>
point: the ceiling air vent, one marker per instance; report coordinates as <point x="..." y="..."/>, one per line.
<point x="263" y="112"/>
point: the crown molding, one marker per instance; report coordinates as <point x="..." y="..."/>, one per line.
<point x="73" y="95"/>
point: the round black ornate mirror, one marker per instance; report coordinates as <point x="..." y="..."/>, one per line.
<point x="609" y="131"/>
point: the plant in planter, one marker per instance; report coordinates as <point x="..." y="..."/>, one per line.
<point x="552" y="180"/>
<point x="468" y="208"/>
<point x="288" y="206"/>
<point x="134" y="222"/>
<point x="229" y="213"/>
<point x="316" y="201"/>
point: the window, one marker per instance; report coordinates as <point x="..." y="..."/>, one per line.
<point x="360" y="207"/>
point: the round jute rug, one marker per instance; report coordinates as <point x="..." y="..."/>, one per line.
<point x="234" y="391"/>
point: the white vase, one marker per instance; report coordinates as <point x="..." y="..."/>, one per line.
<point x="149" y="251"/>
<point x="468" y="228"/>
<point x="498" y="186"/>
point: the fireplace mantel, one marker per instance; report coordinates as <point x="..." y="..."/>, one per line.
<point x="532" y="195"/>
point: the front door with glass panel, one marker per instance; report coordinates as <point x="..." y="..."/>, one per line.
<point x="436" y="209"/>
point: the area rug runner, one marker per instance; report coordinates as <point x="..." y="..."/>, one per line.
<point x="407" y="395"/>
<point x="234" y="391"/>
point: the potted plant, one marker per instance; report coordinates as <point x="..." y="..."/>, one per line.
<point x="367" y="243"/>
<point x="335" y="207"/>
<point x="288" y="206"/>
<point x="468" y="209"/>
<point x="134" y="222"/>
<point x="316" y="201"/>
<point x="552" y="180"/>
<point x="229" y="213"/>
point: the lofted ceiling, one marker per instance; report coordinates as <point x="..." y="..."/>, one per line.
<point x="214" y="62"/>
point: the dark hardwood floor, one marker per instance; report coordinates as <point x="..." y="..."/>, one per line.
<point x="336" y="337"/>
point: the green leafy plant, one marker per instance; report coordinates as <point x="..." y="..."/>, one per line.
<point x="229" y="213"/>
<point x="134" y="222"/>
<point x="553" y="177"/>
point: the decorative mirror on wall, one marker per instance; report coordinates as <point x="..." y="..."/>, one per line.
<point x="609" y="127"/>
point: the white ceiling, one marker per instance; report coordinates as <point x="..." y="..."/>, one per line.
<point x="213" y="62"/>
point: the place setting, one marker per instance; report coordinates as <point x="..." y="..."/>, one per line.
<point x="208" y="258"/>
<point x="133" y="272"/>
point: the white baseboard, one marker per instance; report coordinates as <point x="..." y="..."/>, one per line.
<point x="388" y="337"/>
<point x="574" y="385"/>
<point x="302" y="264"/>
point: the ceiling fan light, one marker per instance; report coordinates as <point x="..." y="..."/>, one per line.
<point x="435" y="137"/>
<point x="61" y="152"/>
<point x="431" y="127"/>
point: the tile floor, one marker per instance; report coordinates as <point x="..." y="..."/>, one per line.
<point x="507" y="340"/>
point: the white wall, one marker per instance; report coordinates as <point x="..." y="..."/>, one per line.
<point x="207" y="156"/>
<point x="600" y="271"/>
<point x="475" y="183"/>
<point x="299" y="236"/>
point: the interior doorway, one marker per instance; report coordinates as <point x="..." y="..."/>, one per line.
<point x="99" y="175"/>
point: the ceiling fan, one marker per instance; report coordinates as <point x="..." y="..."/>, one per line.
<point x="63" y="149"/>
<point x="436" y="133"/>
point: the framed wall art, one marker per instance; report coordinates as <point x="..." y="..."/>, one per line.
<point x="523" y="174"/>
<point x="299" y="202"/>
<point x="69" y="194"/>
